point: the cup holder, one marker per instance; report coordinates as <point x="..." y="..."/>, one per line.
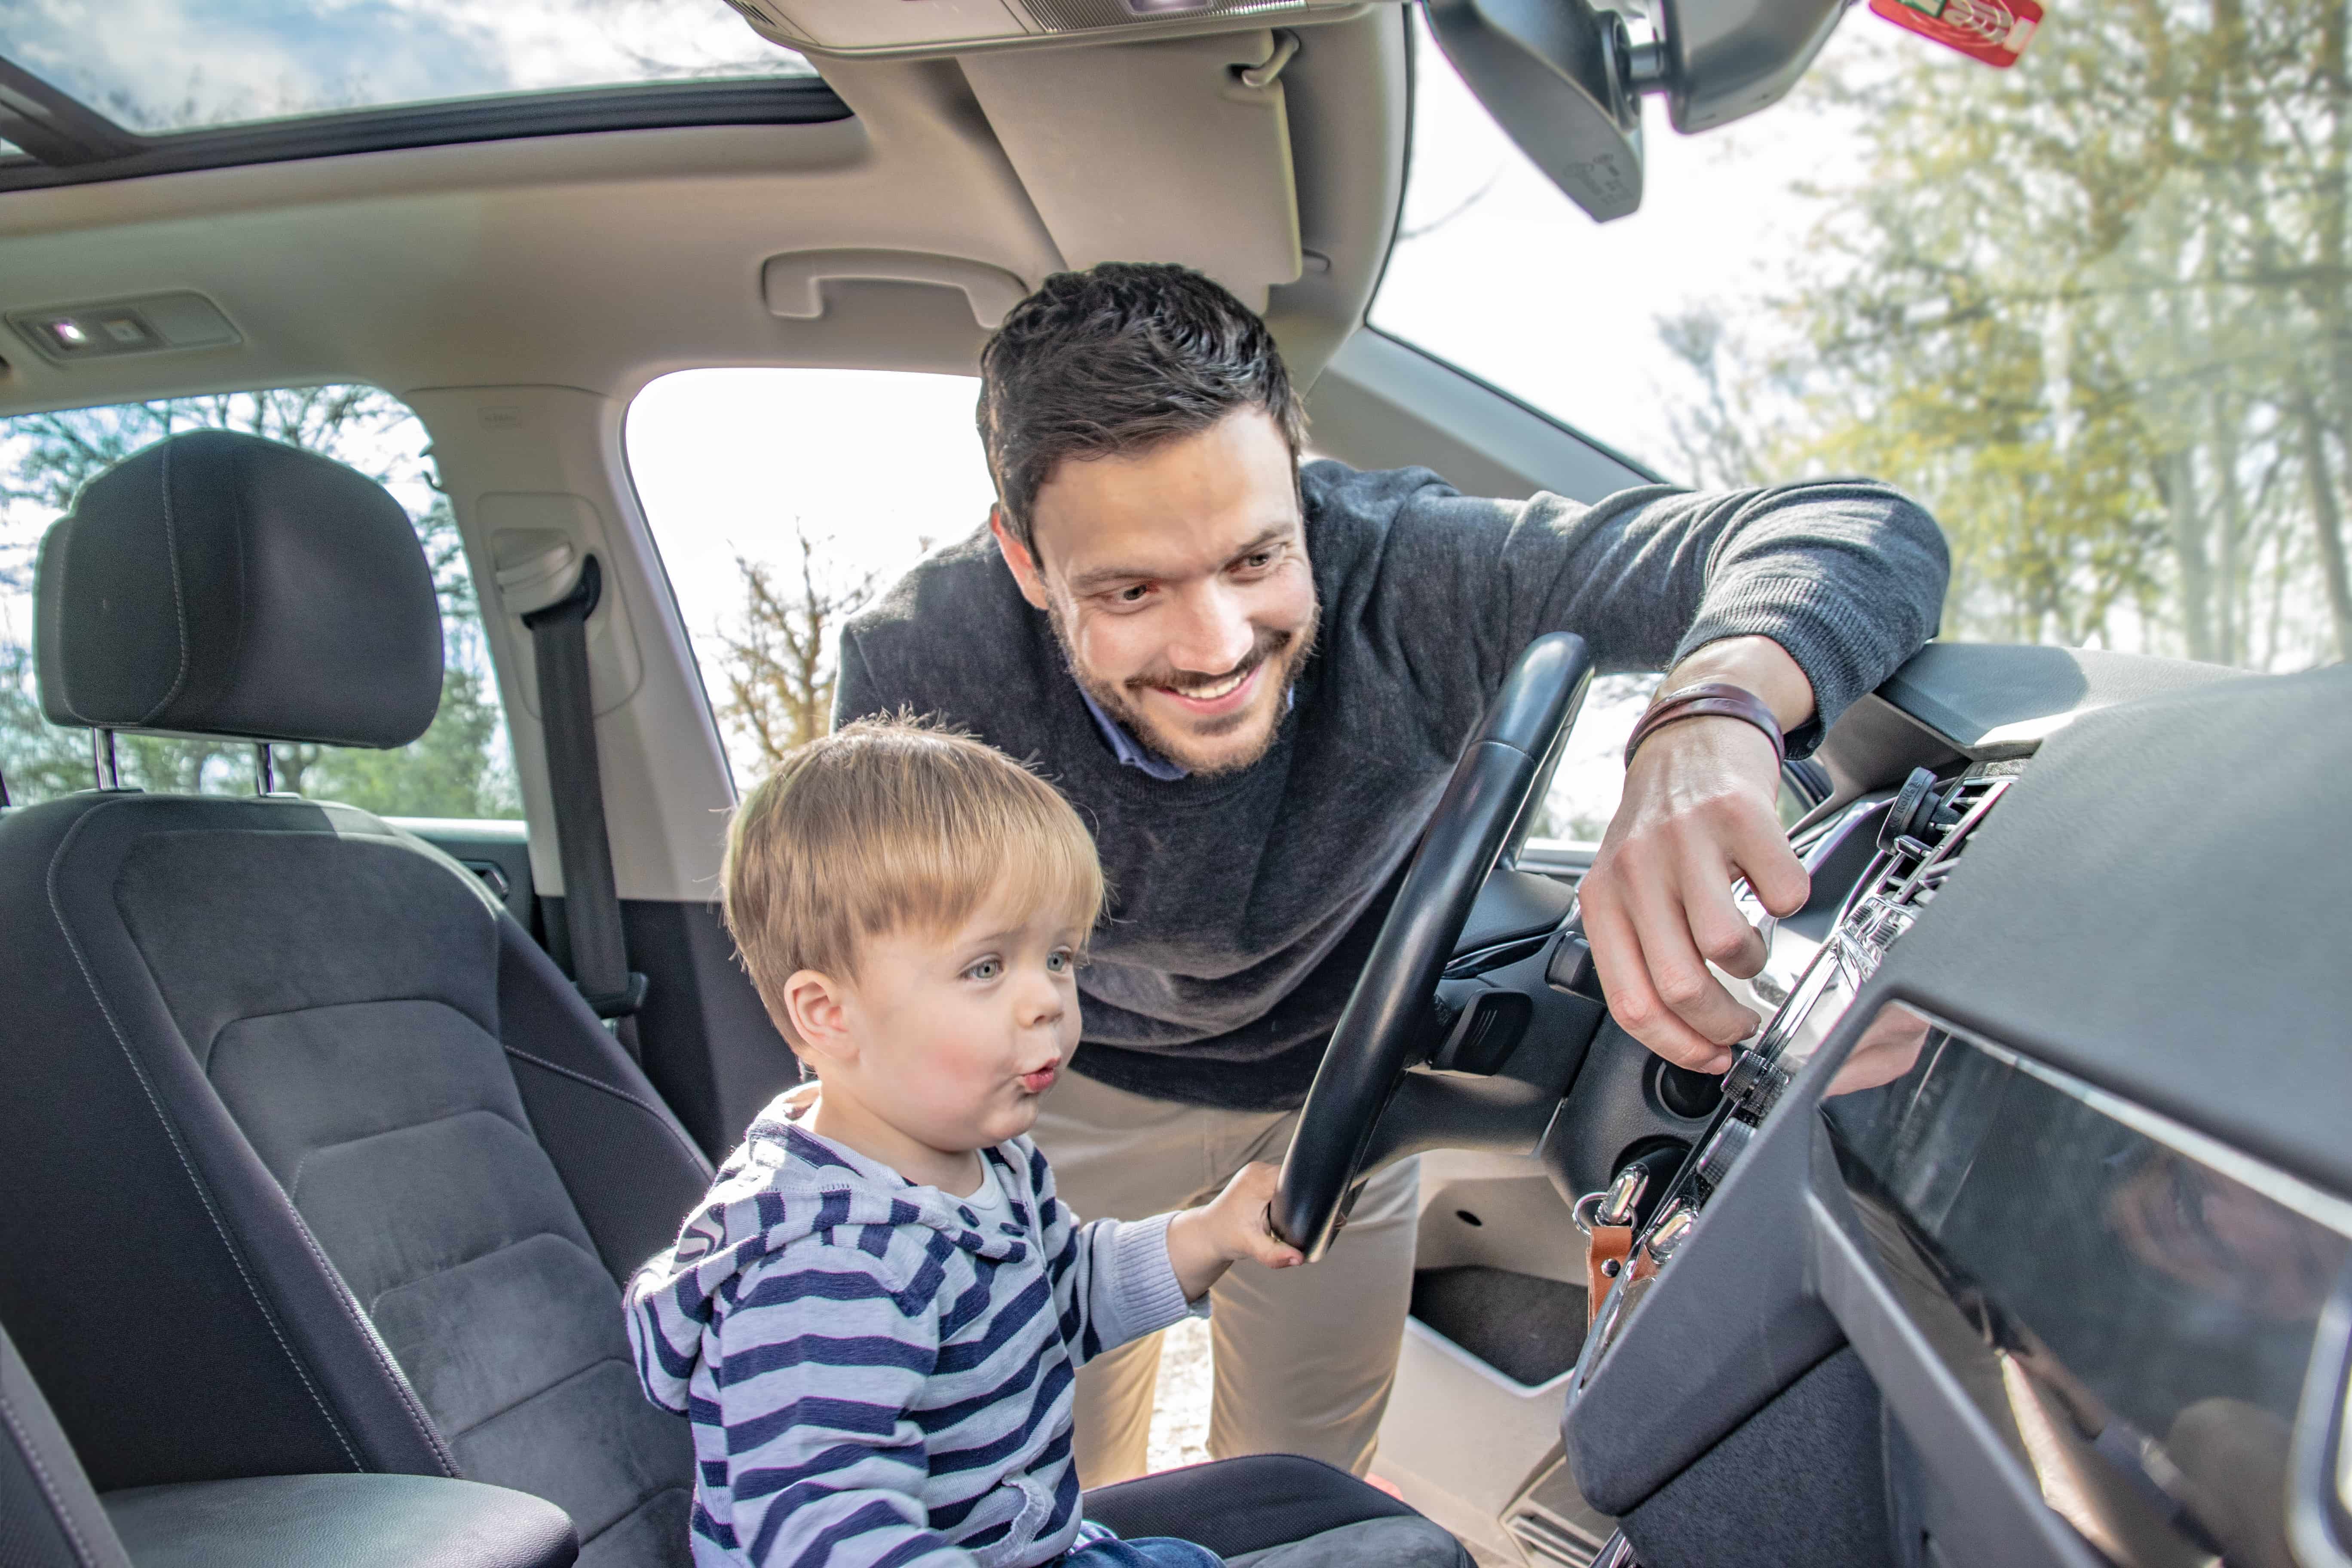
<point x="1681" y="1092"/>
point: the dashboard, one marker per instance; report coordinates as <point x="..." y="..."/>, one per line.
<point x="2021" y="1232"/>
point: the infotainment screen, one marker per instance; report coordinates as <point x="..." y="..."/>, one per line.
<point x="2134" y="1306"/>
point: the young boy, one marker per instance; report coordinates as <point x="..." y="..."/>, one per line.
<point x="873" y="1318"/>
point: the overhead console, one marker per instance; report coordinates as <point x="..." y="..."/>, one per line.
<point x="942" y="27"/>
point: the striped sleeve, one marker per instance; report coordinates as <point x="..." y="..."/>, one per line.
<point x="825" y="1465"/>
<point x="1112" y="1278"/>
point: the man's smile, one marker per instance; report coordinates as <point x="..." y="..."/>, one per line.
<point x="1221" y="696"/>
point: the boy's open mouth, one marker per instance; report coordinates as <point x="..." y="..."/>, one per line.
<point x="1039" y="1081"/>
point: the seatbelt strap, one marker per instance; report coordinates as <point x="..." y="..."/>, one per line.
<point x="567" y="717"/>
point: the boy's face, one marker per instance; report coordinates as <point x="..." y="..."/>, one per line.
<point x="951" y="1039"/>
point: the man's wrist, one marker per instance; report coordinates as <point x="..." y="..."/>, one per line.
<point x="1756" y="664"/>
<point x="1708" y="699"/>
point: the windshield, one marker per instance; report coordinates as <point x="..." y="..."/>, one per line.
<point x="165" y="65"/>
<point x="2093" y="311"/>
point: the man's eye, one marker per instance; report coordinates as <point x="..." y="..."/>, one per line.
<point x="1133" y="594"/>
<point x="986" y="969"/>
<point x="1258" y="561"/>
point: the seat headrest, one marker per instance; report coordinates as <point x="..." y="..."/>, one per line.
<point x="217" y="584"/>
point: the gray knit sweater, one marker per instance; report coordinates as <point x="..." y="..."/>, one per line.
<point x="1243" y="906"/>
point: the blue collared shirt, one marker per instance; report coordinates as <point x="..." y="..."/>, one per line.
<point x="1131" y="752"/>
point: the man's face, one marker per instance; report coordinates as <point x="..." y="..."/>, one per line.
<point x="1178" y="581"/>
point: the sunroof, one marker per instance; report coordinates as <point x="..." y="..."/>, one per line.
<point x="188" y="64"/>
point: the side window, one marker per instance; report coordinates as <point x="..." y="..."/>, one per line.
<point x="782" y="501"/>
<point x="461" y="767"/>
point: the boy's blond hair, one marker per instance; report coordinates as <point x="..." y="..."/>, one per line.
<point x="890" y="825"/>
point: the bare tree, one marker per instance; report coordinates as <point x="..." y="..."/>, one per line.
<point x="783" y="650"/>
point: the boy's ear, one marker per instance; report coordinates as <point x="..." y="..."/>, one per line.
<point x="815" y="1009"/>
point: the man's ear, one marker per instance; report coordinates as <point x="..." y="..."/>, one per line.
<point x="1017" y="557"/>
<point x="815" y="1009"/>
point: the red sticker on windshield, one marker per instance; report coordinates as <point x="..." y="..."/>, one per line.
<point x="1993" y="31"/>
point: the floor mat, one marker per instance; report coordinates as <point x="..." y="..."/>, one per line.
<point x="1527" y="1328"/>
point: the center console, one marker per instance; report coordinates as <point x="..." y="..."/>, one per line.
<point x="1914" y="843"/>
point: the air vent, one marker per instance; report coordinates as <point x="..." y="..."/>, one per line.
<point x="112" y="329"/>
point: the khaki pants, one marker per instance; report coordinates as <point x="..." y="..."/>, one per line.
<point x="1304" y="1357"/>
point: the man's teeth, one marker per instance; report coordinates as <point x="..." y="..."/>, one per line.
<point x="1223" y="688"/>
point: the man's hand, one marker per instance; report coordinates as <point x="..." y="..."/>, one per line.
<point x="1698" y="814"/>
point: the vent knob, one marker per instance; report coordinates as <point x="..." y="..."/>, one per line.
<point x="1753" y="1082"/>
<point x="1723" y="1152"/>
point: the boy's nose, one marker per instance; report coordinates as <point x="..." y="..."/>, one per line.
<point x="1041" y="1004"/>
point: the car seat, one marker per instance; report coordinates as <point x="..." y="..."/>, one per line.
<point x="324" y="1164"/>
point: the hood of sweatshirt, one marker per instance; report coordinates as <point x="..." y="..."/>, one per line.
<point x="784" y="1184"/>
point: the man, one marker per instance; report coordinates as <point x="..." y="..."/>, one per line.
<point x="1253" y="680"/>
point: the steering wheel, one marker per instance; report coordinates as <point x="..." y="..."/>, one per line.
<point x="1490" y="803"/>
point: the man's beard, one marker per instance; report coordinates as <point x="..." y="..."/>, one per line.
<point x="1284" y="651"/>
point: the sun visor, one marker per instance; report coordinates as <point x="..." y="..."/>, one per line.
<point x="1088" y="132"/>
<point x="940" y="27"/>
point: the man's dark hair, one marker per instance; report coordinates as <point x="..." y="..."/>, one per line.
<point x="1114" y="361"/>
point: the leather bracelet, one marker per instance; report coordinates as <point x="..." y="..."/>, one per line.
<point x="1708" y="699"/>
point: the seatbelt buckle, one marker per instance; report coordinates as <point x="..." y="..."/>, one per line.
<point x="621" y="1004"/>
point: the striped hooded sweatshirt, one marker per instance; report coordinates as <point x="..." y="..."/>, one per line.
<point x="879" y="1372"/>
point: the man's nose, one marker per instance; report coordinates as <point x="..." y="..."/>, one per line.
<point x="1215" y="633"/>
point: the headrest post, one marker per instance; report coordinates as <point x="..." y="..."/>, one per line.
<point x="264" y="769"/>
<point x="103" y="765"/>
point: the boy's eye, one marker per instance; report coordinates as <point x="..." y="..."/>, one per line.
<point x="986" y="969"/>
<point x="1059" y="960"/>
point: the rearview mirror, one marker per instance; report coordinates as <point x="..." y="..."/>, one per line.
<point x="1566" y="79"/>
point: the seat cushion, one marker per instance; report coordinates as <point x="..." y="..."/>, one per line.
<point x="1237" y="1506"/>
<point x="349" y="1521"/>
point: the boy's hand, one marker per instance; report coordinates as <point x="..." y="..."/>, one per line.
<point x="1202" y="1242"/>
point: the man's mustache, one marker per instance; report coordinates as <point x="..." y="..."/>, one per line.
<point x="1270" y="642"/>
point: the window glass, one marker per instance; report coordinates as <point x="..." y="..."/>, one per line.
<point x="183" y="64"/>
<point x="461" y="767"/>
<point x="2089" y="311"/>
<point x="782" y="501"/>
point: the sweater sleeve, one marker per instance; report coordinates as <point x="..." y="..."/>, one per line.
<point x="1112" y="1278"/>
<point x="1848" y="575"/>
<point x="824" y="1462"/>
